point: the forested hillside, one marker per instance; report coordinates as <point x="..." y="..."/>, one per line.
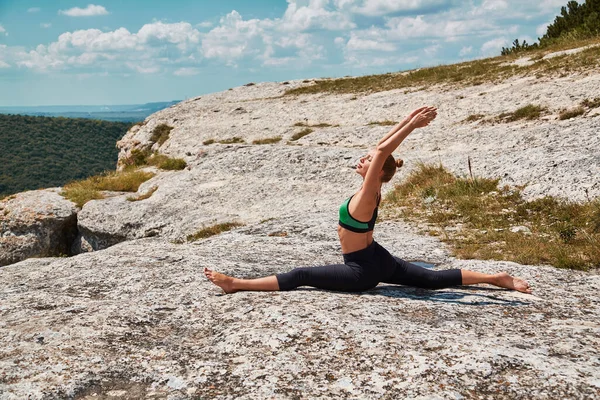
<point x="39" y="152"/>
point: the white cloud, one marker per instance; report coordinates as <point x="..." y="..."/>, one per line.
<point x="86" y="75"/>
<point x="143" y="69"/>
<point x="357" y="44"/>
<point x="186" y="71"/>
<point x="90" y="11"/>
<point x="465" y="51"/>
<point x="34" y="10"/>
<point x="45" y="25"/>
<point x="3" y="31"/>
<point x="432" y="50"/>
<point x="92" y="47"/>
<point x="235" y="38"/>
<point x="4" y="65"/>
<point x="493" y="47"/>
<point x="181" y="33"/>
<point x="204" y="24"/>
<point x="490" y="7"/>
<point x="300" y="16"/>
<point x="542" y="29"/>
<point x="375" y="8"/>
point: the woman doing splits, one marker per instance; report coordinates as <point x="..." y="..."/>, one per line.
<point x="366" y="263"/>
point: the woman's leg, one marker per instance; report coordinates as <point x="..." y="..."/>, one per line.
<point x="232" y="285"/>
<point x="501" y="279"/>
<point x="338" y="277"/>
<point x="413" y="275"/>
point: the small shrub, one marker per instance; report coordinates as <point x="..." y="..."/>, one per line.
<point x="80" y="192"/>
<point x="144" y="196"/>
<point x="161" y="134"/>
<point x="595" y="103"/>
<point x="267" y="140"/>
<point x="383" y="123"/>
<point x="302" y="133"/>
<point x="209" y="141"/>
<point x="213" y="230"/>
<point x="235" y="139"/>
<point x="571" y="113"/>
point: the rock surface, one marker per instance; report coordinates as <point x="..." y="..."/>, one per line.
<point x="251" y="182"/>
<point x="139" y="320"/>
<point x="36" y="223"/>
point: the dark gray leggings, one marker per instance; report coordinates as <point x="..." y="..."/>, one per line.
<point x="364" y="269"/>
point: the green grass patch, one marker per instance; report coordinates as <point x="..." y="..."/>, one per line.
<point x="212" y="230"/>
<point x="556" y="231"/>
<point x="271" y="140"/>
<point x="80" y="192"/>
<point x="491" y="70"/>
<point x="144" y="196"/>
<point x="302" y="133"/>
<point x="571" y="113"/>
<point x="383" y="123"/>
<point x="160" y="134"/>
<point x="233" y="140"/>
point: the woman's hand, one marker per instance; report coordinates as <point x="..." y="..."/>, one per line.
<point x="423" y="117"/>
<point x="417" y="111"/>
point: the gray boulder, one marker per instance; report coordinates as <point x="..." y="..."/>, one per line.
<point x="37" y="223"/>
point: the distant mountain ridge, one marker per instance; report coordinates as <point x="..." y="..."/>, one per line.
<point x="122" y="113"/>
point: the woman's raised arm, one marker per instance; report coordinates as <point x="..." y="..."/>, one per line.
<point x="401" y="125"/>
<point x="420" y="118"/>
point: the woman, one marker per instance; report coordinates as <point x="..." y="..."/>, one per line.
<point x="366" y="263"/>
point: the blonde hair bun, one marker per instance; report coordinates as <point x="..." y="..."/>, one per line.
<point x="399" y="163"/>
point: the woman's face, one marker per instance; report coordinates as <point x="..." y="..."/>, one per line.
<point x="363" y="164"/>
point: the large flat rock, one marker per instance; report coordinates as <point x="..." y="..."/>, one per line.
<point x="139" y="319"/>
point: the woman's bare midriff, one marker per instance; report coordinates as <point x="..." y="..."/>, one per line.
<point x="352" y="241"/>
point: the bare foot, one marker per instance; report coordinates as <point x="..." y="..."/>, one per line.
<point x="506" y="281"/>
<point x="223" y="281"/>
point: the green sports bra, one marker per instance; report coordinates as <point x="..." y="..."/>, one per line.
<point x="348" y="222"/>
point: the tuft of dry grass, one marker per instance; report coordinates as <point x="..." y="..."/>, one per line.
<point x="301" y="134"/>
<point x="235" y="139"/>
<point x="213" y="230"/>
<point x="208" y="141"/>
<point x="497" y="223"/>
<point x="271" y="140"/>
<point x="144" y="196"/>
<point x="474" y="117"/>
<point x="383" y="123"/>
<point x="80" y="192"/>
<point x="319" y="125"/>
<point x="571" y="113"/>
<point x="469" y="73"/>
<point x="140" y="158"/>
<point x="160" y="134"/>
<point x="528" y="112"/>
<point x="595" y="103"/>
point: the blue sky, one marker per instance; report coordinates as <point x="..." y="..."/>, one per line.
<point x="136" y="51"/>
